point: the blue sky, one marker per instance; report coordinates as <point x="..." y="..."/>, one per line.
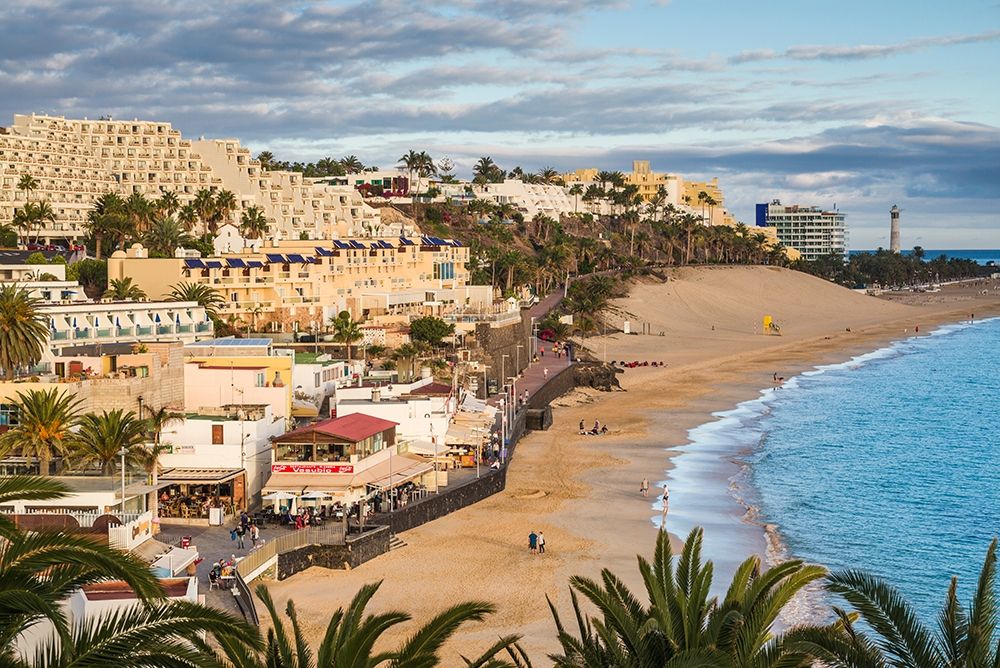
<point x="862" y="104"/>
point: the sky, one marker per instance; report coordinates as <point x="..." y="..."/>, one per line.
<point x="856" y="104"/>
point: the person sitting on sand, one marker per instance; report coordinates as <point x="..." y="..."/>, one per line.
<point x="581" y="427"/>
<point x="604" y="429"/>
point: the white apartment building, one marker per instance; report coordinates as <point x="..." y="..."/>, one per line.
<point x="76" y="161"/>
<point x="811" y="230"/>
<point x="75" y="320"/>
<point x="532" y="199"/>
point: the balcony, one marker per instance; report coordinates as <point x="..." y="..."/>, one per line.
<point x="164" y="329"/>
<point x="203" y="327"/>
<point x="143" y="331"/>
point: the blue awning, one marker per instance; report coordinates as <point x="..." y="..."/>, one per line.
<point x="311" y="260"/>
<point x="276" y="258"/>
<point x="193" y="263"/>
<point x="357" y="244"/>
<point x="322" y="252"/>
<point x="236" y="263"/>
<point x="341" y="245"/>
<point x="255" y="264"/>
<point x="405" y="241"/>
<point x="213" y="264"/>
<point x="295" y="257"/>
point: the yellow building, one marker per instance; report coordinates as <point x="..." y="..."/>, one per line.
<point x="298" y="285"/>
<point x="76" y="161"/>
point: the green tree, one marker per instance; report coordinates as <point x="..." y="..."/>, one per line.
<point x="225" y="204"/>
<point x="430" y="329"/>
<point x="44" y="429"/>
<point x="28" y="184"/>
<point x="39" y="570"/>
<point x="24" y="333"/>
<point x="204" y="205"/>
<point x="123" y="289"/>
<point x="91" y="274"/>
<point x="36" y="258"/>
<point x="206" y="296"/>
<point x="103" y="435"/>
<point x="894" y="635"/>
<point x="106" y="220"/>
<point x="266" y="159"/>
<point x="164" y="236"/>
<point x="253" y="223"/>
<point x="351" y="164"/>
<point x="408" y="354"/>
<point x="576" y="190"/>
<point x="346" y="330"/>
<point x="682" y="625"/>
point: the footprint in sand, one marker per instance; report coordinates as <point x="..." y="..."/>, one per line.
<point x="535" y="494"/>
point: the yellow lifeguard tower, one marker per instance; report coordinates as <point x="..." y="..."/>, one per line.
<point x="770" y="326"/>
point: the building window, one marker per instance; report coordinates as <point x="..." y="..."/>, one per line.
<point x="216" y="434"/>
<point x="9" y="415"/>
<point x="260" y="379"/>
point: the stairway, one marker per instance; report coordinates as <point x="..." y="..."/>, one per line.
<point x="395" y="542"/>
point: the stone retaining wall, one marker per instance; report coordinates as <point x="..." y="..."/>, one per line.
<point x="439" y="505"/>
<point x="357" y="550"/>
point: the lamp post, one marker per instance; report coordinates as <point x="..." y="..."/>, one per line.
<point x="513" y="399"/>
<point x="503" y="366"/>
<point x="503" y="430"/>
<point x="517" y="366"/>
<point x="122" y="452"/>
<point x="434" y="442"/>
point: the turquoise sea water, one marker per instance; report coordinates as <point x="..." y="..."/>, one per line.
<point x="890" y="462"/>
<point x="980" y="255"/>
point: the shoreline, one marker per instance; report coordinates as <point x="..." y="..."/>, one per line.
<point x="582" y="491"/>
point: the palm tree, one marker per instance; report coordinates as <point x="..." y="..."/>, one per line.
<point x="140" y="212"/>
<point x="23" y="330"/>
<point x="351" y="637"/>
<point x="206" y="296"/>
<point x="106" y="217"/>
<point x="253" y="222"/>
<point x="346" y="330"/>
<point x="576" y="190"/>
<point x="103" y="435"/>
<point x="487" y="171"/>
<point x="351" y="164"/>
<point x="682" y="625"/>
<point x="28" y="184"/>
<point x="168" y="203"/>
<point x="225" y="204"/>
<point x="156" y="421"/>
<point x="40" y="570"/>
<point x="187" y="216"/>
<point x="894" y="635"/>
<point x="124" y="290"/>
<point x="266" y="159"/>
<point x="164" y="236"/>
<point x="410" y="161"/>
<point x="44" y="430"/>
<point x="408" y="353"/>
<point x="204" y="205"/>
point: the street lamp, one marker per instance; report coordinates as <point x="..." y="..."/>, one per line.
<point x="503" y="363"/>
<point x="513" y="399"/>
<point x="122" y="454"/>
<point x="517" y="367"/>
<point x="434" y="441"/>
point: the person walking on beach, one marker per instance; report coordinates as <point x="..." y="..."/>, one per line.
<point x="541" y="542"/>
<point x="644" y="487"/>
<point x="666" y="506"/>
<point x="533" y="542"/>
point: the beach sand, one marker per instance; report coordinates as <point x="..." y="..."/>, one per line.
<point x="582" y="491"/>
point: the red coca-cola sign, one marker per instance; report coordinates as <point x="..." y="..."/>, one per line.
<point x="312" y="468"/>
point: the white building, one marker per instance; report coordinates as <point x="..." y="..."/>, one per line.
<point x="531" y="199"/>
<point x="229" y="445"/>
<point x="811" y="230"/>
<point x="421" y="410"/>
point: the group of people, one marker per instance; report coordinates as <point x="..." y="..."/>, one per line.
<point x="598" y="430"/>
<point x="223" y="568"/>
<point x="536" y="542"/>
<point x="245" y="528"/>
<point x="558" y="349"/>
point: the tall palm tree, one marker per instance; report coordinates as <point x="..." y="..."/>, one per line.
<point x="410" y="161"/>
<point x="23" y="330"/>
<point x="123" y="289"/>
<point x="187" y="216"/>
<point x="346" y="330"/>
<point x="225" y="204"/>
<point x="105" y="218"/>
<point x="576" y="190"/>
<point x="103" y="435"/>
<point x="156" y="420"/>
<point x="894" y="635"/>
<point x="682" y="625"/>
<point x="266" y="159"/>
<point x="164" y="236"/>
<point x="28" y="184"/>
<point x="206" y="296"/>
<point x="168" y="204"/>
<point x="253" y="223"/>
<point x="487" y="169"/>
<point x="204" y="204"/>
<point x="351" y="164"/>
<point x="140" y="212"/>
<point x="407" y="353"/>
<point x="44" y="430"/>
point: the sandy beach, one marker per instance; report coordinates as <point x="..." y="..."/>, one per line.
<point x="582" y="491"/>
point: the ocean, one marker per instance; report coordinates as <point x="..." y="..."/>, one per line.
<point x="888" y="462"/>
<point x="982" y="256"/>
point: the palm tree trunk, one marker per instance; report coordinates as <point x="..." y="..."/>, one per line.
<point x="97" y="249"/>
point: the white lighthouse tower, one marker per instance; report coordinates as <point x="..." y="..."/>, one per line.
<point x="894" y="229"/>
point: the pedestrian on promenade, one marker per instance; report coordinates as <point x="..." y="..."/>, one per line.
<point x="644" y="487"/>
<point x="254" y="535"/>
<point x="541" y="542"/>
<point x="541" y="350"/>
<point x="545" y="373"/>
<point x="240" y="533"/>
<point x="533" y="542"/>
<point x="244" y="520"/>
<point x="525" y="396"/>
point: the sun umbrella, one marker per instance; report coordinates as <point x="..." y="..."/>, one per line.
<point x="316" y="495"/>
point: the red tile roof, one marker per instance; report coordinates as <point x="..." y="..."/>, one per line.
<point x="354" y="427"/>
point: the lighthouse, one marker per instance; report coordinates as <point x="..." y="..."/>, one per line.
<point x="894" y="229"/>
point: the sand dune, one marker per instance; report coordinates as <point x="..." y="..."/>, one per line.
<point x="583" y="491"/>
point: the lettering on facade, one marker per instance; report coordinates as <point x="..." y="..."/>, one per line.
<point x="312" y="468"/>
